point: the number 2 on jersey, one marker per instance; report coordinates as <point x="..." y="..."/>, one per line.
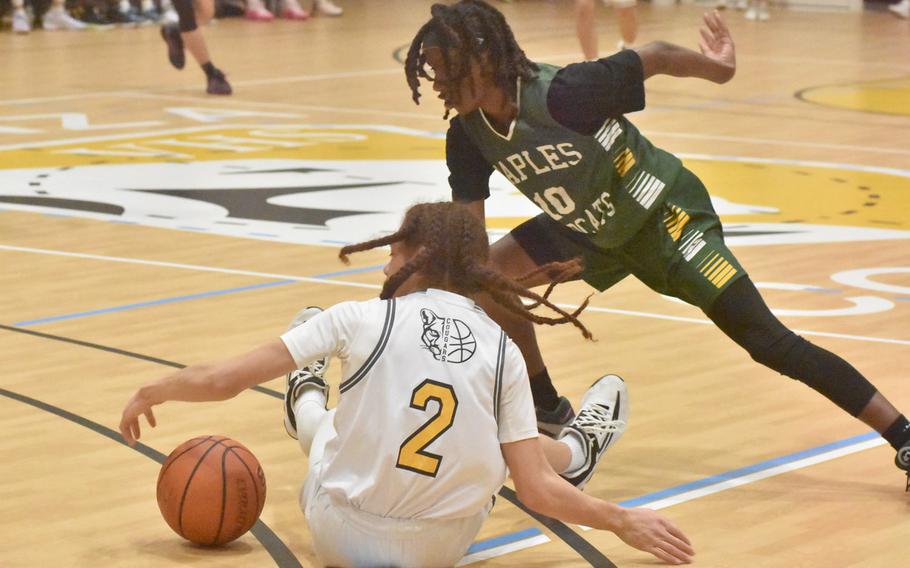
<point x="412" y="454"/>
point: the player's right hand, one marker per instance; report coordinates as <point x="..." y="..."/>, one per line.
<point x="129" y="422"/>
<point x="646" y="530"/>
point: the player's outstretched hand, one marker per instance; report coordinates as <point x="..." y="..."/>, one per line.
<point x="129" y="422"/>
<point x="717" y="44"/>
<point x="646" y="530"/>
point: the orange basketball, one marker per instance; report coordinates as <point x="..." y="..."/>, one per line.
<point x="211" y="490"/>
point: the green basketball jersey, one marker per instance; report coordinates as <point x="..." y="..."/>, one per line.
<point x="604" y="185"/>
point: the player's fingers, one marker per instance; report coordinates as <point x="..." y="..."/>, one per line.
<point x="661" y="554"/>
<point x="713" y="21"/>
<point x="675" y="531"/>
<point x="704" y="47"/>
<point x="150" y="416"/>
<point x="134" y="428"/>
<point x="708" y="37"/>
<point x="125" y="432"/>
<point x="674" y="551"/>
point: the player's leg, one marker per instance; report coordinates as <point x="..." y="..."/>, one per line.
<point x="627" y="20"/>
<point x="306" y="394"/>
<point x="532" y="244"/>
<point x="705" y="273"/>
<point x="601" y="421"/>
<point x="586" y="27"/>
<point x="187" y="35"/>
<point x="743" y="316"/>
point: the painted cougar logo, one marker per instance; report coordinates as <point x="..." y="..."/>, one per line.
<point x="458" y="343"/>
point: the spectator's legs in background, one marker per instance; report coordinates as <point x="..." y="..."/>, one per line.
<point x="327" y="8"/>
<point x="56" y="18"/>
<point x="21" y="22"/>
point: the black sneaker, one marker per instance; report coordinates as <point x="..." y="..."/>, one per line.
<point x="151" y="16"/>
<point x="308" y="377"/>
<point x="551" y="422"/>
<point x="600" y="423"/>
<point x="128" y="19"/>
<point x="170" y="33"/>
<point x="217" y="84"/>
<point x="902" y="460"/>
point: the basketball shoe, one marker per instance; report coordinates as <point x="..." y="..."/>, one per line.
<point x="217" y="83"/>
<point x="551" y="422"/>
<point x="902" y="460"/>
<point x="170" y="33"/>
<point x="600" y="423"/>
<point x="21" y="22"/>
<point x="309" y="377"/>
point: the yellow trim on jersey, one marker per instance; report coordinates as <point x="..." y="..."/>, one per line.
<point x="676" y="220"/>
<point x="624" y="161"/>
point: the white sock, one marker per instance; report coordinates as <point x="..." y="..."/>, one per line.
<point x="147" y="5"/>
<point x="576" y="445"/>
<point x="123" y="6"/>
<point x="309" y="410"/>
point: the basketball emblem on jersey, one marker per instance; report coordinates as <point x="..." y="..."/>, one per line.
<point x="449" y="340"/>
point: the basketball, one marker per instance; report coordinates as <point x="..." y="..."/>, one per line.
<point x="211" y="490"/>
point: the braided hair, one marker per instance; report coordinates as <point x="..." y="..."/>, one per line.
<point x="474" y="30"/>
<point x="453" y="254"/>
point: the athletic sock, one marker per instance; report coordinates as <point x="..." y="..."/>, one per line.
<point x="576" y="445"/>
<point x="898" y="433"/>
<point x="209" y="69"/>
<point x="543" y="391"/>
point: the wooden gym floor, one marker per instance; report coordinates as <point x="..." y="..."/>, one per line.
<point x="144" y="225"/>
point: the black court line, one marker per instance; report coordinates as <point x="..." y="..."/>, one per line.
<point x="584" y="548"/>
<point x="123" y="352"/>
<point x="273" y="545"/>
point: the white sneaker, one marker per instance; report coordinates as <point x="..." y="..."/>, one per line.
<point x="58" y="19"/>
<point x="21" y="23"/>
<point x="763" y="15"/>
<point x="170" y="17"/>
<point x="752" y="13"/>
<point x="600" y="424"/>
<point x="328" y="8"/>
<point x="901" y="9"/>
<point x="309" y="377"/>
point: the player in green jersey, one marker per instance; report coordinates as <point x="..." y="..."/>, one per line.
<point x="560" y="136"/>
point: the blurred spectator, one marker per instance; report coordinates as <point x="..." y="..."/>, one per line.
<point x="586" y="25"/>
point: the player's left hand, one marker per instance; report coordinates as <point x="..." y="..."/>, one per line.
<point x="717" y="44"/>
<point x="129" y="422"/>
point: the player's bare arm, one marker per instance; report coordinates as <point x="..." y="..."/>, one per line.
<point x="716" y="62"/>
<point x="206" y="382"/>
<point x="542" y="490"/>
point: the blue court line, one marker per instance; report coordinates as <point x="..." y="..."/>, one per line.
<point x="349" y="272"/>
<point x="187" y="297"/>
<point x="743" y="471"/>
<point x="489" y="543"/>
<point x="686" y="487"/>
<point x="153" y="303"/>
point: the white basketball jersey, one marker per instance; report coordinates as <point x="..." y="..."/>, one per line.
<point x="431" y="387"/>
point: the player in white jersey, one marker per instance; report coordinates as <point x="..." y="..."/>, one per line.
<point x="435" y="410"/>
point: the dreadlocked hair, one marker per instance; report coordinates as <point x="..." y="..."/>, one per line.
<point x="452" y="253"/>
<point x="473" y="29"/>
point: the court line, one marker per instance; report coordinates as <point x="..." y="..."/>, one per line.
<point x="656" y="500"/>
<point x="571" y="538"/>
<point x="736" y="478"/>
<point x="334" y="282"/>
<point x="186" y="266"/>
<point x="187" y="297"/>
<point x="755" y="472"/>
<point x="276" y="548"/>
<point x="159" y="302"/>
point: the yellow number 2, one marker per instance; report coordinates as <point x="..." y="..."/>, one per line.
<point x="412" y="455"/>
